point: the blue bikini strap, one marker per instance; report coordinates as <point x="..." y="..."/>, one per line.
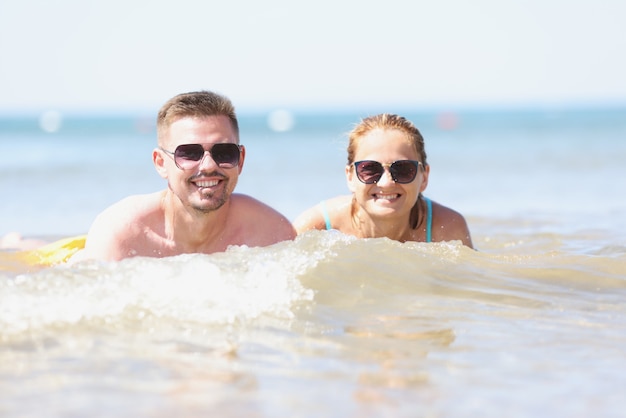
<point x="429" y="219"/>
<point x="325" y="214"/>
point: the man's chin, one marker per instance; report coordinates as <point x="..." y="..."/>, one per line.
<point x="208" y="206"/>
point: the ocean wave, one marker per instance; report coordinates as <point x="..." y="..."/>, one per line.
<point x="324" y="277"/>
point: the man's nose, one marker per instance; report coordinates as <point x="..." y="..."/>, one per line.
<point x="207" y="160"/>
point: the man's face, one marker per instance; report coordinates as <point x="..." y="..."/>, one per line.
<point x="204" y="186"/>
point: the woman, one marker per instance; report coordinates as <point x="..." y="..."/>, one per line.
<point x="387" y="173"/>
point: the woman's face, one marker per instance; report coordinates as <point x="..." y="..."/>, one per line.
<point x="386" y="198"/>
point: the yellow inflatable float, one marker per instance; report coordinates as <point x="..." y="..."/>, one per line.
<point x="56" y="252"/>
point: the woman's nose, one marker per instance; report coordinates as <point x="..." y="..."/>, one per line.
<point x="386" y="178"/>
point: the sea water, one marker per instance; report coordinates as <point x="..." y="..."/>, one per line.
<point x="533" y="323"/>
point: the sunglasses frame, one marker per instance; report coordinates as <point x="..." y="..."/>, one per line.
<point x="205" y="151"/>
<point x="385" y="167"/>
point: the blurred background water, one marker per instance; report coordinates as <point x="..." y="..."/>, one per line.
<point x="560" y="166"/>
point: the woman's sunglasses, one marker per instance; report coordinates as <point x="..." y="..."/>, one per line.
<point x="402" y="171"/>
<point x="188" y="156"/>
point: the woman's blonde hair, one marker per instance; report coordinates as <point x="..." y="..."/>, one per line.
<point x="386" y="121"/>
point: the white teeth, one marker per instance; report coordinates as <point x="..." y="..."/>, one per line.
<point x="386" y="196"/>
<point x="207" y="183"/>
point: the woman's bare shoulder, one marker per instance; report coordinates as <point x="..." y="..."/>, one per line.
<point x="339" y="202"/>
<point x="446" y="212"/>
<point x="315" y="216"/>
<point x="449" y="225"/>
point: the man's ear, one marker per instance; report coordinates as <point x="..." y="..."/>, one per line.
<point x="242" y="158"/>
<point x="159" y="162"/>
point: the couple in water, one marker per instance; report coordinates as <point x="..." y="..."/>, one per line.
<point x="200" y="156"/>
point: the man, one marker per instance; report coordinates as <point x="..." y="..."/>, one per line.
<point x="200" y="156"/>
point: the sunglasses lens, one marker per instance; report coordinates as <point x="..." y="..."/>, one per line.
<point x="369" y="171"/>
<point x="404" y="171"/>
<point x="188" y="155"/>
<point x="225" y="155"/>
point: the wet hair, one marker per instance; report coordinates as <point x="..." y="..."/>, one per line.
<point x="387" y="121"/>
<point x="196" y="104"/>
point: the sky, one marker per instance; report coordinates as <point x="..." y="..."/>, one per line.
<point x="127" y="55"/>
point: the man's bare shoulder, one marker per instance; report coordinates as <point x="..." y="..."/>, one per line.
<point x="243" y="203"/>
<point x="261" y="219"/>
<point x="120" y="227"/>
<point x="134" y="206"/>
